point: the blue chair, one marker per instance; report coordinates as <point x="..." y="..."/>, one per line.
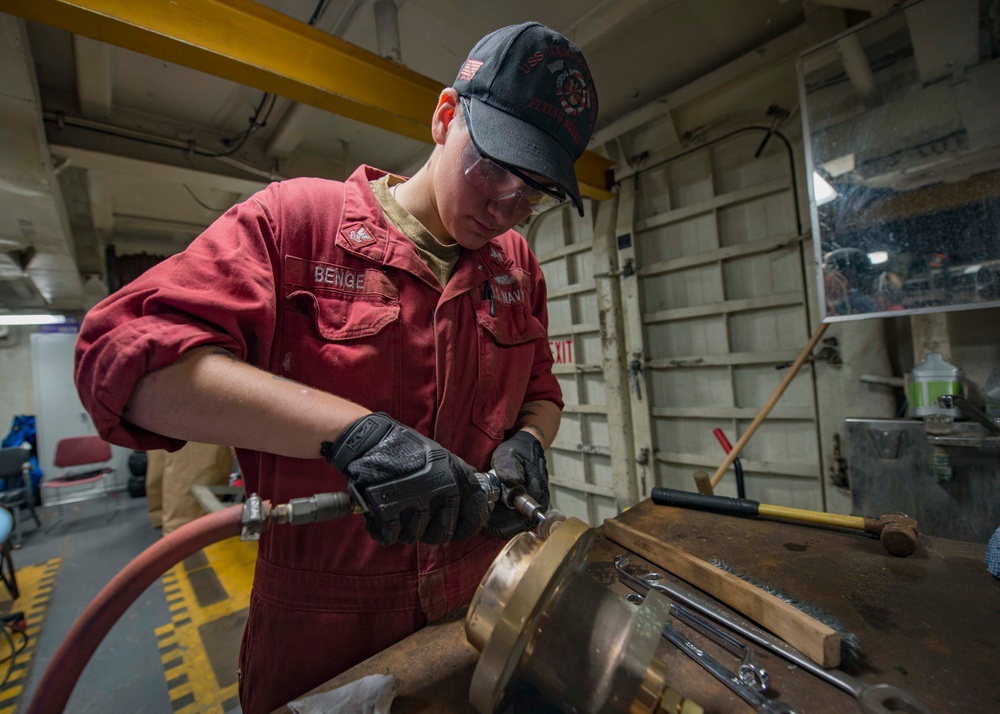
<point x="7" y="572"/>
<point x="15" y="486"/>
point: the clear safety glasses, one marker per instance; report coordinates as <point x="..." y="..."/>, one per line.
<point x="507" y="185"/>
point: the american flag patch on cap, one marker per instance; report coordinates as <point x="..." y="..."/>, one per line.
<point x="469" y="69"/>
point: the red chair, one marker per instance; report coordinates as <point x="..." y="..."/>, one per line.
<point x="87" y="471"/>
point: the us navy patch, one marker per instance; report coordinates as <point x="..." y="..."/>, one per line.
<point x="511" y="289"/>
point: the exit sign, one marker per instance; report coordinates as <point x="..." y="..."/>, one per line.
<point x="562" y="351"/>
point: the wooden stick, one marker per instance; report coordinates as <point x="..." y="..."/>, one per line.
<point x="769" y="405"/>
<point x="817" y="641"/>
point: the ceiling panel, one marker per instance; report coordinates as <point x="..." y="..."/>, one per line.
<point x="638" y="50"/>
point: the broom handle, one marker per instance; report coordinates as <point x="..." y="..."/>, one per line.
<point x="769" y="405"/>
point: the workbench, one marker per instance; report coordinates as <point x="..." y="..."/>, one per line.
<point x="928" y="623"/>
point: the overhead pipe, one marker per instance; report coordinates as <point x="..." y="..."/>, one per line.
<point x="858" y="69"/>
<point x="387" y="30"/>
<point x="61" y="120"/>
<point x="291" y="129"/>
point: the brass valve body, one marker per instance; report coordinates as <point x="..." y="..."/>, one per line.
<point x="545" y="628"/>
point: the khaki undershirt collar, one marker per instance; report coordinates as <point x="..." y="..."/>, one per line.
<point x="440" y="258"/>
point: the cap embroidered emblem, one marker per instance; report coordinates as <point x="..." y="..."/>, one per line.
<point x="571" y="88"/>
<point x="469" y="69"/>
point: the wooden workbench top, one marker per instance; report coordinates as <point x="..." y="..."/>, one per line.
<point x="929" y="623"/>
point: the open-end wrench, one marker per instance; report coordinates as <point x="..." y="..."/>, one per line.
<point x="749" y="672"/>
<point x="872" y="698"/>
<point x="751" y="696"/>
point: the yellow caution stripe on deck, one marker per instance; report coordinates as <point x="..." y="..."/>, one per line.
<point x="207" y="596"/>
<point x="35" y="583"/>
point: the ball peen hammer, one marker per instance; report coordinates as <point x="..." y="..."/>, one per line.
<point x="896" y="531"/>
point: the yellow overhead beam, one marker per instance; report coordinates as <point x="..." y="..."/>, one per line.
<point x="250" y="44"/>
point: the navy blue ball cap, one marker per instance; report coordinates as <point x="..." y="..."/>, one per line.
<point x="532" y="104"/>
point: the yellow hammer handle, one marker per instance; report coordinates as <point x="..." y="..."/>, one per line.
<point x="800" y="514"/>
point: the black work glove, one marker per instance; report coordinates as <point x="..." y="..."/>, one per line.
<point x="409" y="487"/>
<point x="519" y="463"/>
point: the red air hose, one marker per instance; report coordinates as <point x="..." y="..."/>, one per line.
<point x="88" y="631"/>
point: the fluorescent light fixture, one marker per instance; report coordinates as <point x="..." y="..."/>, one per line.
<point x="36" y="319"/>
<point x="823" y="192"/>
<point x="878" y="257"/>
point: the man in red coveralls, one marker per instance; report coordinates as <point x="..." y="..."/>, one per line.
<point x="329" y="331"/>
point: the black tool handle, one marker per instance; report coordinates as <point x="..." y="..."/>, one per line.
<point x="703" y="502"/>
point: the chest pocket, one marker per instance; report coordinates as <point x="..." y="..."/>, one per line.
<point x="507" y="342"/>
<point x="341" y="334"/>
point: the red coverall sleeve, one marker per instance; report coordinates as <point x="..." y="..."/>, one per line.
<point x="219" y="291"/>
<point x="543" y="385"/>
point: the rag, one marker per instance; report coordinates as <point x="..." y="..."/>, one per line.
<point x="369" y="695"/>
<point x="993" y="554"/>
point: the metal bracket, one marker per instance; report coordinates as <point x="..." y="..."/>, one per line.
<point x="829" y="353"/>
<point x="635" y="368"/>
<point x="626" y="270"/>
<point x="885" y="441"/>
<point x="643" y="458"/>
<point x="838" y="469"/>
